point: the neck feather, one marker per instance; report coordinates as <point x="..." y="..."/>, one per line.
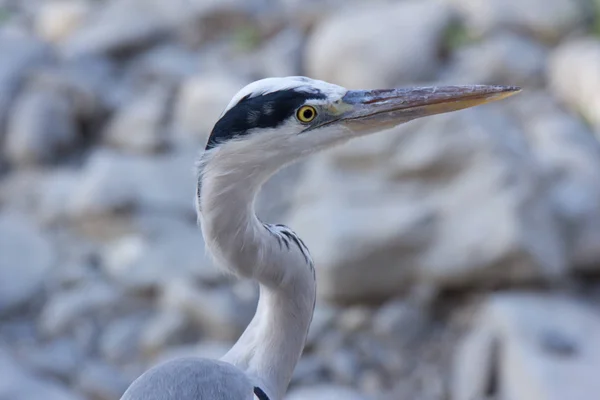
<point x="271" y="345"/>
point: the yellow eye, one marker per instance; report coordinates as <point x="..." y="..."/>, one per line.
<point x="306" y="114"/>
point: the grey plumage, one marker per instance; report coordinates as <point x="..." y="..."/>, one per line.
<point x="191" y="379"/>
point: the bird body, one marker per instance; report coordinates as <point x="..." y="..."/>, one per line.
<point x="266" y="126"/>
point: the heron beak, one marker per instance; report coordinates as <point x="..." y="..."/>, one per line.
<point x="373" y="110"/>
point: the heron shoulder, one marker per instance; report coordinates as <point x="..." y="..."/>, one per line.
<point x="191" y="378"/>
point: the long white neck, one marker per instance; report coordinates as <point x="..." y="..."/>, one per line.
<point x="271" y="345"/>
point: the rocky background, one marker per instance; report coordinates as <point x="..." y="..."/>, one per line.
<point x="458" y="256"/>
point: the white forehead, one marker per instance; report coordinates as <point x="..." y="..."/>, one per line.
<point x="299" y="83"/>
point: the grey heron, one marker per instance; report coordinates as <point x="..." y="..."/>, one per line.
<point x="267" y="125"/>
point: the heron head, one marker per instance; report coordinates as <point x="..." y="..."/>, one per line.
<point x="274" y="121"/>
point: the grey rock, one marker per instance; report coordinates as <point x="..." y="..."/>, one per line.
<point x="26" y="53"/>
<point x="573" y="66"/>
<point x="121" y="26"/>
<point x="57" y="359"/>
<point x="525" y="342"/>
<point x="168" y="63"/>
<point x="63" y="310"/>
<point x="503" y="58"/>
<point x="120" y="339"/>
<point x="324" y="392"/>
<point x="27" y="257"/>
<point x="113" y="182"/>
<point x="350" y="46"/>
<point x="138" y="264"/>
<point x="281" y="56"/>
<point x="548" y="20"/>
<point x="323" y="320"/>
<point x="101" y="381"/>
<point x="215" y="311"/>
<point x="162" y="330"/>
<point x="132" y="24"/>
<point x="355" y="319"/>
<point x="345" y="366"/>
<point x="16" y="383"/>
<point x="311" y="369"/>
<point x="53" y="192"/>
<point x="401" y="321"/>
<point x="570" y="157"/>
<point x="414" y="202"/>
<point x="41" y="128"/>
<point x="57" y="20"/>
<point x="140" y="126"/>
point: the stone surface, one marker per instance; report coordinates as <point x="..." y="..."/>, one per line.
<point x="138" y="264"/>
<point x="519" y="343"/>
<point x="216" y="312"/>
<point x="41" y="128"/>
<point x="101" y="381"/>
<point x="545" y="19"/>
<point x="140" y="125"/>
<point x="348" y="48"/>
<point x="58" y="359"/>
<point x="324" y="392"/>
<point x="16" y="383"/>
<point x="574" y="74"/>
<point x="411" y="204"/>
<point x="58" y="19"/>
<point x="25" y="54"/>
<point x="64" y="309"/>
<point x="504" y="58"/>
<point x="570" y="156"/>
<point x="111" y="182"/>
<point x="27" y="257"/>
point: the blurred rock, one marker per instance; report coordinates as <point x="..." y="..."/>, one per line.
<point x="41" y="128"/>
<point x="380" y="45"/>
<point x="570" y="156"/>
<point x="25" y="54"/>
<point x="324" y="392"/>
<point x="63" y="310"/>
<point x="140" y="126"/>
<point x="546" y="19"/>
<point x="138" y="264"/>
<point x="57" y="359"/>
<point x="401" y="321"/>
<point x="119" y="341"/>
<point x="18" y="384"/>
<point x="113" y="182"/>
<point x="310" y="370"/>
<point x="162" y="330"/>
<point x="323" y="320"/>
<point x="532" y="346"/>
<point x="200" y="102"/>
<point x="121" y="26"/>
<point x="281" y="56"/>
<point x="215" y="311"/>
<point x="169" y="63"/>
<point x="26" y="259"/>
<point x="100" y="381"/>
<point x="56" y="20"/>
<point x="504" y="58"/>
<point x="574" y="75"/>
<point x="411" y="205"/>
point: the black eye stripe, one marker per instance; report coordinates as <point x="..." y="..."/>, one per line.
<point x="264" y="111"/>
